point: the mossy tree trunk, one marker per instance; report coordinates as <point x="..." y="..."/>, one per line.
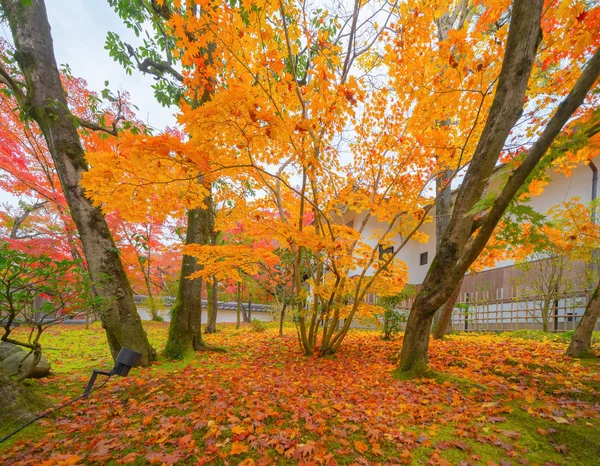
<point x="185" y="333"/>
<point x="43" y="99"/>
<point x="441" y="327"/>
<point x="581" y="342"/>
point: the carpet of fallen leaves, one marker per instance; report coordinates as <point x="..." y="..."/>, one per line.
<point x="497" y="400"/>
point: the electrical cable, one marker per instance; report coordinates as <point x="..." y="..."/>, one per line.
<point x="56" y="408"/>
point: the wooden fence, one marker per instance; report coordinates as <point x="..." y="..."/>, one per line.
<point x="502" y="299"/>
<point x="482" y="312"/>
<point x="479" y="311"/>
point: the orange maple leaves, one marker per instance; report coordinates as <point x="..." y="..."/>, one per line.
<point x="272" y="405"/>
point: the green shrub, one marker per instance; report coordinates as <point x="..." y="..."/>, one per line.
<point x="393" y="319"/>
<point x="258" y="325"/>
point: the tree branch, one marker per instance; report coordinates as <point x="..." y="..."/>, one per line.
<point x="114" y="130"/>
<point x="565" y="111"/>
<point x="21" y="218"/>
<point x="14" y="85"/>
<point x="155" y="68"/>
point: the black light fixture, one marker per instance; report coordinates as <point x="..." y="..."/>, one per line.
<point x="125" y="360"/>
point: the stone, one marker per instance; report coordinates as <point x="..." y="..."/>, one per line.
<point x="15" y="365"/>
<point x="8" y="349"/>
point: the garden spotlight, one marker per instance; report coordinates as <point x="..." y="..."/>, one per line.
<point x="126" y="359"/>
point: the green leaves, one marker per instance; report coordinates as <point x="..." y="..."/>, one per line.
<point x="483" y="204"/>
<point x="156" y="46"/>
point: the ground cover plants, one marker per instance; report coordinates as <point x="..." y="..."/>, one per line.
<point x="489" y="399"/>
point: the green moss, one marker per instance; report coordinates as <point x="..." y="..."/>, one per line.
<point x="269" y="352"/>
<point x="538" y="335"/>
<point x="179" y="345"/>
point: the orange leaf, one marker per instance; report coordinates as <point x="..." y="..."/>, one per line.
<point x="360" y="446"/>
<point x="238" y="429"/>
<point x="237" y="448"/>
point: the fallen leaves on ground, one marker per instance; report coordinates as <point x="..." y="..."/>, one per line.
<point x="262" y="403"/>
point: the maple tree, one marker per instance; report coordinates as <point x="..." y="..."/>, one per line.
<point x="465" y="238"/>
<point x="41" y="98"/>
<point x="42" y="218"/>
<point x="454" y="19"/>
<point x="149" y="259"/>
<point x="300" y="94"/>
<point x="305" y="220"/>
<point x="289" y="117"/>
<point x="28" y="173"/>
<point x="158" y="58"/>
<point x="577" y="234"/>
<point x="548" y="270"/>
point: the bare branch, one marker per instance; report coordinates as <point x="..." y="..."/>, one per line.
<point x="21" y="218"/>
<point x="155" y="68"/>
<point x="114" y="130"/>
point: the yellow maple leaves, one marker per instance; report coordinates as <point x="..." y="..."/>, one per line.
<point x="143" y="173"/>
<point x="228" y="262"/>
<point x="305" y="132"/>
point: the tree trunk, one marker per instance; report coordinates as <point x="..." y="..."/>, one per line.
<point x="213" y="307"/>
<point x="152" y="303"/>
<point x="17" y="403"/>
<point x="282" y="317"/>
<point x="443" y="210"/>
<point x="581" y="343"/>
<point x="450" y="262"/>
<point x="414" y="358"/>
<point x="454" y="19"/>
<point x="239" y="304"/>
<point x="248" y="315"/>
<point x="443" y="324"/>
<point x="546" y="312"/>
<point x="466" y="237"/>
<point x="185" y="333"/>
<point x="47" y="105"/>
<point x="148" y="283"/>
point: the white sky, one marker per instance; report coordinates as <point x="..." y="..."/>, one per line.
<point x="79" y="29"/>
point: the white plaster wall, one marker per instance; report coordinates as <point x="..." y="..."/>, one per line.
<point x="223" y="316"/>
<point x="411" y="252"/>
<point x="560" y="189"/>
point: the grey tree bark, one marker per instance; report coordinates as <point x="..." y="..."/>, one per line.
<point x="213" y="307"/>
<point x="45" y="102"/>
<point x="184" y="330"/>
<point x="581" y="342"/>
<point x="445" y="317"/>
<point x="465" y="238"/>
<point x="443" y="210"/>
<point x="185" y="333"/>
